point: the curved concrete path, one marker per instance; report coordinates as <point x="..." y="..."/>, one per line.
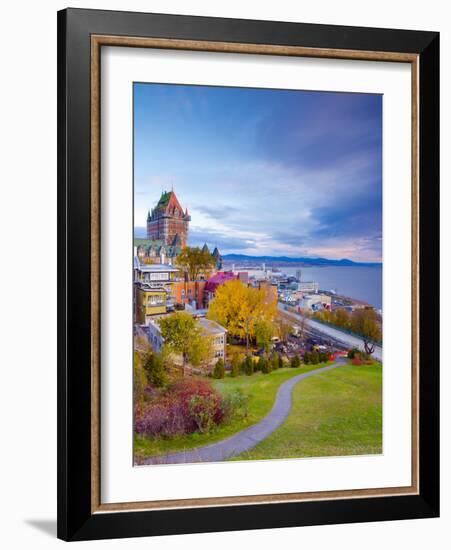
<point x="249" y="437"/>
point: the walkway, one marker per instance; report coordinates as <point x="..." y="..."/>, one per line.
<point x="247" y="438"/>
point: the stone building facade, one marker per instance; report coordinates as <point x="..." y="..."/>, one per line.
<point x="168" y="222"/>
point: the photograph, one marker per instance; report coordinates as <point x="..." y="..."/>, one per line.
<point x="248" y="253"/>
<point x="257" y="274"/>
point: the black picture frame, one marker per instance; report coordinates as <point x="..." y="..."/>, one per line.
<point x="76" y="521"/>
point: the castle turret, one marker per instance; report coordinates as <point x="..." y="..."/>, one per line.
<point x="168" y="221"/>
<point x="218" y="258"/>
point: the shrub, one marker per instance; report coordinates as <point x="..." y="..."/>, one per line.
<point x="264" y="365"/>
<point x="184" y="407"/>
<point x="356" y="353"/>
<point x="139" y="379"/>
<point x="314" y="357"/>
<point x="202" y="409"/>
<point x="281" y="361"/>
<point x="219" y="370"/>
<point x="295" y="362"/>
<point x="306" y="357"/>
<point x="324" y="356"/>
<point x="274" y="360"/>
<point x="236" y="366"/>
<point x="353" y="352"/>
<point x="356" y="361"/>
<point x="248" y="366"/>
<point x="237" y="404"/>
<point x="155" y="370"/>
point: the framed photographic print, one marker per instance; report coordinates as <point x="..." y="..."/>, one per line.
<point x="248" y="282"/>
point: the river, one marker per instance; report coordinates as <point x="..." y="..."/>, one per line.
<point x="362" y="283"/>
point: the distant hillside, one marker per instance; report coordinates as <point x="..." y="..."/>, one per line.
<point x="295" y="261"/>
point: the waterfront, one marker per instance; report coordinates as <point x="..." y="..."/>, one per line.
<point x="361" y="283"/>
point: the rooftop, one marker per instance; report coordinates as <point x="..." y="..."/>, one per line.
<point x="219" y="279"/>
<point x="212" y="327"/>
<point x="155" y="268"/>
<point x="208" y="326"/>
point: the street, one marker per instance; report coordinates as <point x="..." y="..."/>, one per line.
<point x="339" y="338"/>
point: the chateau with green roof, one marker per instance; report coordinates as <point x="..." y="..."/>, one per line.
<point x="168" y="222"/>
<point x="167" y="233"/>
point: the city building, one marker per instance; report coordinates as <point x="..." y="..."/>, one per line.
<point x="210" y="329"/>
<point x="156" y="252"/>
<point x="315" y="302"/>
<point x="190" y="293"/>
<point x="307" y="286"/>
<point x="168" y="222"/>
<point x="218" y="335"/>
<point x="218" y="258"/>
<point x="153" y="290"/>
<point x="148" y="303"/>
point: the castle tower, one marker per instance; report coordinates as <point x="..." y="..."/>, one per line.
<point x="218" y="258"/>
<point x="168" y="222"/>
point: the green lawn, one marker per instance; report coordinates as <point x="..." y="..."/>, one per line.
<point x="262" y="389"/>
<point x="334" y="413"/>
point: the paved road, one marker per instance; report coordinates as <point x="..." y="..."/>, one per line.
<point x="336" y="334"/>
<point x="248" y="438"/>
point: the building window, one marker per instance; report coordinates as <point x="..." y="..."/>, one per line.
<point x="159" y="276"/>
<point x="156" y="300"/>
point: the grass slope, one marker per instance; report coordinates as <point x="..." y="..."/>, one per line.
<point x="335" y="413"/>
<point x="261" y="387"/>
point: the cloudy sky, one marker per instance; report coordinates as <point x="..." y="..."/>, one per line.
<point x="264" y="172"/>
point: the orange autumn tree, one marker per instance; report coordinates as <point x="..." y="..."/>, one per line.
<point x="240" y="309"/>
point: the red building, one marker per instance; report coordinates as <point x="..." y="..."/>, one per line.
<point x="221" y="278"/>
<point x="167" y="222"/>
<point x="189" y="292"/>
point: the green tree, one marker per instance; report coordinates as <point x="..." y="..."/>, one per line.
<point x="248" y="366"/>
<point x="195" y="262"/>
<point x="275" y="360"/>
<point x="295" y="362"/>
<point x="236" y="366"/>
<point x="155" y="369"/>
<point x="366" y="323"/>
<point x="342" y="318"/>
<point x="264" y="331"/>
<point x="284" y="329"/>
<point x="263" y="365"/>
<point x="182" y="334"/>
<point x="314" y="357"/>
<point x="219" y="370"/>
<point x="281" y="361"/>
<point x="201" y="350"/>
<point x="139" y="378"/>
